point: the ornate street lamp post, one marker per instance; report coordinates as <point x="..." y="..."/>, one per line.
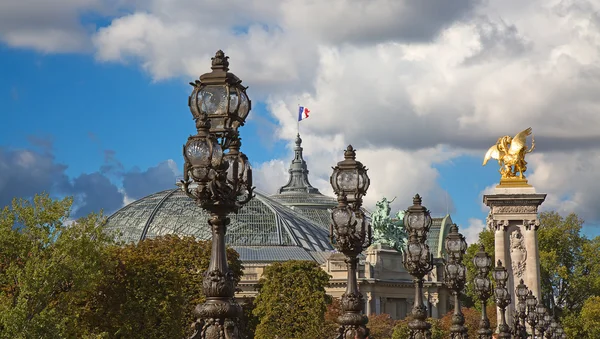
<point x="560" y="333"/>
<point x="532" y="318"/>
<point x="219" y="179"/>
<point x="548" y="319"/>
<point x="483" y="288"/>
<point x="551" y="329"/>
<point x="543" y="322"/>
<point x="502" y="298"/>
<point x="455" y="277"/>
<point x="521" y="292"/>
<point x="418" y="261"/>
<point x="350" y="234"/>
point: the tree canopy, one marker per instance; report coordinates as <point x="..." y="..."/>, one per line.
<point x="291" y="300"/>
<point x="49" y="265"/>
<point x="67" y="279"/>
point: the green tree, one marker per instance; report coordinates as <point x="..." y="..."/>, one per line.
<point x="153" y="290"/>
<point x="330" y="325"/>
<point x="486" y="237"/>
<point x="401" y="330"/>
<point x="472" y="319"/>
<point x="291" y="300"/>
<point x="381" y="326"/>
<point x="568" y="262"/>
<point x="49" y="266"/>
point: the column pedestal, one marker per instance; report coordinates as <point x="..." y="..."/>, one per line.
<point x="513" y="218"/>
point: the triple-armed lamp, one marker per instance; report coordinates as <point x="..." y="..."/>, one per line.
<point x="418" y="261"/>
<point x="350" y="233"/>
<point x="219" y="179"/>
<point x="502" y="298"/>
<point x="455" y="277"/>
<point x="483" y="289"/>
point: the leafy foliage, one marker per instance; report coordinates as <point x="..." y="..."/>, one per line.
<point x="48" y="267"/>
<point x="291" y="302"/>
<point x="154" y="288"/>
<point x="381" y="326"/>
<point x="67" y="279"/>
<point x="330" y="325"/>
<point x="472" y="319"/>
<point x="569" y="263"/>
<point x="401" y="330"/>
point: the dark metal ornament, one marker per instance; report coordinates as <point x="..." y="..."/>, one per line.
<point x="218" y="177"/>
<point x="418" y="262"/>
<point x="350" y="234"/>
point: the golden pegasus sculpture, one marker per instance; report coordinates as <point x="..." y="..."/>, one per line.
<point x="510" y="153"/>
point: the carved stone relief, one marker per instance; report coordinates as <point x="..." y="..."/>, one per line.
<point x="489" y="220"/>
<point x="518" y="209"/>
<point x="433" y="298"/>
<point x="518" y="253"/>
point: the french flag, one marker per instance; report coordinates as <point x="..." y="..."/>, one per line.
<point x="302" y="113"/>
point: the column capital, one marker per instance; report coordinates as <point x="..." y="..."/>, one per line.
<point x="531" y="224"/>
<point x="500" y="225"/>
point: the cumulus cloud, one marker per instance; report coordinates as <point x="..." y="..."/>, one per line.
<point x="138" y="184"/>
<point x="26" y="172"/>
<point x="49" y="26"/>
<point x="409" y="84"/>
<point x="471" y="232"/>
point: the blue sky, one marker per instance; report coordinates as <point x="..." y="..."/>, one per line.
<point x="95" y="105"/>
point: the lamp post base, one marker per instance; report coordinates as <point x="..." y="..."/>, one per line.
<point x="217" y="319"/>
<point x="354" y="331"/>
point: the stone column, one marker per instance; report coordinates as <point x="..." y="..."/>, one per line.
<point x="532" y="267"/>
<point x="501" y="252"/>
<point x="513" y="216"/>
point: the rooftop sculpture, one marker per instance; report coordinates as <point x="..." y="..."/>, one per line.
<point x="388" y="231"/>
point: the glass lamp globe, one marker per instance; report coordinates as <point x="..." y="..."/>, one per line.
<point x="350" y="177"/>
<point x="482" y="260"/>
<point x="202" y="153"/>
<point x="521" y="290"/>
<point x="221" y="96"/>
<point x="500" y="273"/>
<point x="417" y="219"/>
<point x="531" y="300"/>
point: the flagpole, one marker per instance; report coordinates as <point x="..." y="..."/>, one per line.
<point x="297" y="119"/>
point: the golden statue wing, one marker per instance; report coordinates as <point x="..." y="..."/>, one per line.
<point x="519" y="141"/>
<point x="492" y="153"/>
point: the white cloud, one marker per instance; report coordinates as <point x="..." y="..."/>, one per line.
<point x="471" y="232"/>
<point x="394" y="78"/>
<point x="269" y="176"/>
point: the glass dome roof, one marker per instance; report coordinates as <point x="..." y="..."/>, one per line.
<point x="263" y="230"/>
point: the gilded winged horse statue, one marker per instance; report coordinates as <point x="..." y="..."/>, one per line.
<point x="510" y="153"/>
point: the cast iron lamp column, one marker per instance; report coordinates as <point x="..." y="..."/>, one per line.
<point x="219" y="179"/>
<point x="455" y="276"/>
<point x="418" y="261"/>
<point x="521" y="292"/>
<point x="543" y="323"/>
<point x="483" y="288"/>
<point x="548" y="319"/>
<point x="502" y="298"/>
<point x="551" y="329"/>
<point x="532" y="319"/>
<point x="350" y="234"/>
